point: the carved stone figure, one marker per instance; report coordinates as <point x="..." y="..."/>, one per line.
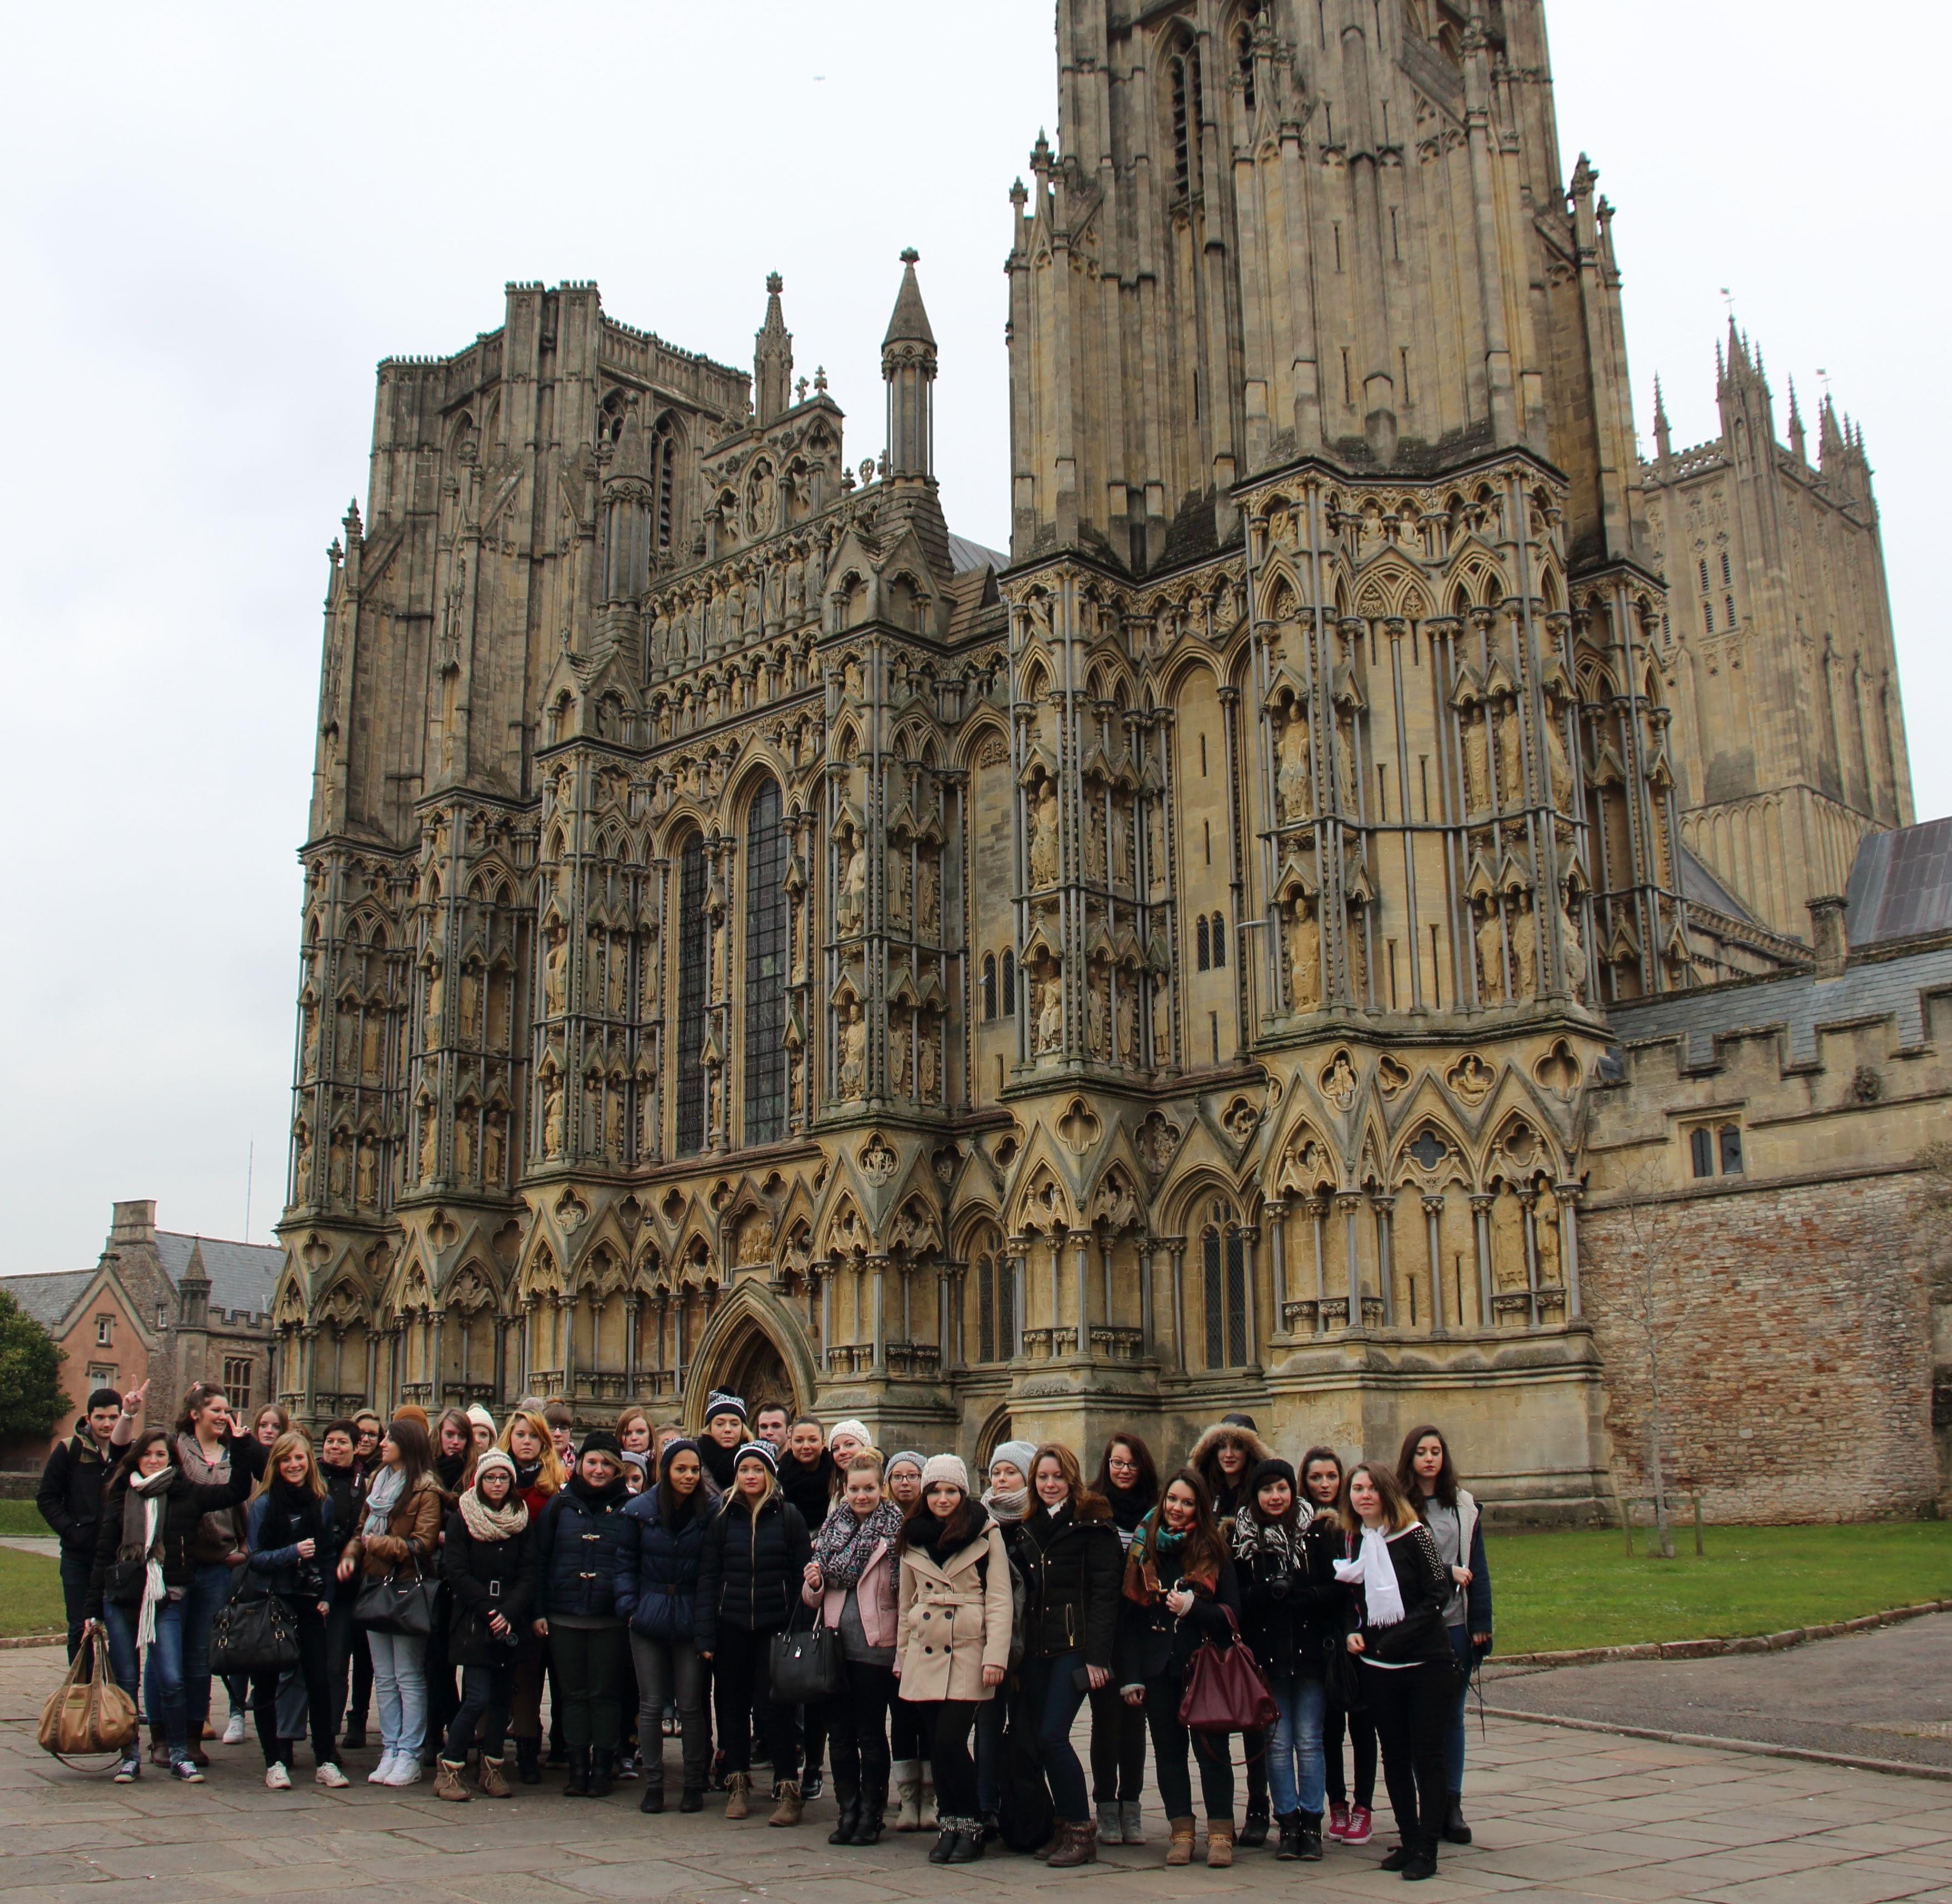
<point x="1525" y="950"/>
<point x="555" y="974"/>
<point x="1128" y="1019"/>
<point x="1294" y="784"/>
<point x="926" y="1064"/>
<point x="301" y="1148"/>
<point x="1043" y="836"/>
<point x="619" y="965"/>
<point x="1050" y="1013"/>
<point x="1511" y="759"/>
<point x="366" y="1180"/>
<point x="1558" y="767"/>
<point x="552" y="1120"/>
<point x="371" y="1031"/>
<point x="1545" y="1238"/>
<point x="1304" y="956"/>
<point x="463" y="1143"/>
<point x="853" y="1053"/>
<point x="339" y="1165"/>
<point x="1571" y="951"/>
<point x="470" y="1004"/>
<point x="492" y="1150"/>
<point x="1095" y="1013"/>
<point x="851" y="910"/>
<point x="1121" y="842"/>
<point x="613" y="1125"/>
<point x="1477" y="759"/>
<point x="1491" y="956"/>
<point x="430" y="1142"/>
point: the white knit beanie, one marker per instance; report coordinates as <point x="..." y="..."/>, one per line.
<point x="858" y="1430"/>
<point x="1018" y="1454"/>
<point x="944" y="1468"/>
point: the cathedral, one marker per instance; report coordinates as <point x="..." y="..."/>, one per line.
<point x="754" y="937"/>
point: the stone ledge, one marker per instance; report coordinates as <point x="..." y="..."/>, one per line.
<point x="1714" y="1649"/>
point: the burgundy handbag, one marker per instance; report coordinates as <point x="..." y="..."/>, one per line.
<point x="1226" y="1690"/>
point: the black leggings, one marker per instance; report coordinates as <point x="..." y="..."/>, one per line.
<point x="857" y="1724"/>
<point x="314" y="1658"/>
<point x="1412" y="1707"/>
<point x="1117" y="1748"/>
<point x="589" y="1679"/>
<point x="741" y="1681"/>
<point x="1171" y="1741"/>
<point x="486" y="1693"/>
<point x="944" y="1725"/>
<point x="1362" y="1730"/>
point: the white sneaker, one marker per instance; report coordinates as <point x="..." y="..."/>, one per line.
<point x="406" y="1770"/>
<point x="328" y="1773"/>
<point x="233" y="1733"/>
<point x="277" y="1779"/>
<point x="382" y="1772"/>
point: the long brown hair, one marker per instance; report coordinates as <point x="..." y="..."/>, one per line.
<point x="1397" y="1512"/>
<point x="1445" y="1489"/>
<point x="1204" y="1552"/>
<point x="1142" y="1459"/>
<point x="1085" y="1505"/>
<point x="919" y="1523"/>
<point x="125" y="1468"/>
<point x="549" y="1477"/>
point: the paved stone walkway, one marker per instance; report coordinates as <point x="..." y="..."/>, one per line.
<point x="1560" y="1815"/>
<point x="1886" y="1694"/>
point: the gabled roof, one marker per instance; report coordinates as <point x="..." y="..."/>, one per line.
<point x="965" y="555"/>
<point x="241" y="1274"/>
<point x="1901" y="884"/>
<point x="48" y="1299"/>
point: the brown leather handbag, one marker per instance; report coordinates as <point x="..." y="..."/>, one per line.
<point x="1225" y="1689"/>
<point x="88" y="1712"/>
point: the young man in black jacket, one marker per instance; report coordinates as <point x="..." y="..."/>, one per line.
<point x="69" y="1495"/>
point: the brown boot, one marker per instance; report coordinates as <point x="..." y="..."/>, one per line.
<point x="1079" y="1846"/>
<point x="790" y="1805"/>
<point x="447" y="1779"/>
<point x="1180" y="1851"/>
<point x="489" y="1780"/>
<point x="738" y="1785"/>
<point x="1219" y="1845"/>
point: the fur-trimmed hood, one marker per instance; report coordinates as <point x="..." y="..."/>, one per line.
<point x="1205" y="1450"/>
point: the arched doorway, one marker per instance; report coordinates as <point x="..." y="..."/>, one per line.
<point x="747" y="1362"/>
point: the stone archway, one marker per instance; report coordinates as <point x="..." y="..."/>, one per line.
<point x="753" y="1348"/>
<point x="752" y="1368"/>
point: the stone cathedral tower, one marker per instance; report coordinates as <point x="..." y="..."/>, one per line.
<point x="754" y="936"/>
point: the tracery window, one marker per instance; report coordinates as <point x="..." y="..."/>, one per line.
<point x="1203" y="946"/>
<point x="1183" y="76"/>
<point x="765" y="969"/>
<point x="1219" y="941"/>
<point x="690" y="1029"/>
<point x="989" y="986"/>
<point x="1223" y="1261"/>
<point x="1009" y="985"/>
<point x="664" y="479"/>
<point x="995" y="1319"/>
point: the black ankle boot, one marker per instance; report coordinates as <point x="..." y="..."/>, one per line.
<point x="691" y="1799"/>
<point x="873" y="1809"/>
<point x="1289" y="1848"/>
<point x="577" y="1785"/>
<point x="945" y="1846"/>
<point x="1308" y="1835"/>
<point x="653" y="1800"/>
<point x="968" y="1846"/>
<point x="1255" y="1831"/>
<point x="602" y="1774"/>
<point x="528" y="1761"/>
<point x="848" y="1798"/>
<point x="1456" y="1831"/>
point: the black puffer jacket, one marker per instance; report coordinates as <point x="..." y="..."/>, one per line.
<point x="184" y="1506"/>
<point x="580" y="1540"/>
<point x="1290" y="1615"/>
<point x="1072" y="1568"/>
<point x="485" y="1577"/>
<point x="809" y="1485"/>
<point x="749" y="1568"/>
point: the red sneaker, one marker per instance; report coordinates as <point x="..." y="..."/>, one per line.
<point x="1338" y="1820"/>
<point x="1358" y="1830"/>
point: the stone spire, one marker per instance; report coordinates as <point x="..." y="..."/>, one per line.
<point x="772" y="358"/>
<point x="908" y="367"/>
<point x="1663" y="437"/>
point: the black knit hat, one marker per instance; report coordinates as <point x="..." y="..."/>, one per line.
<point x="763" y="1451"/>
<point x="1273" y="1469"/>
<point x="720" y="1403"/>
<point x="1238" y="1421"/>
<point x="601" y="1441"/>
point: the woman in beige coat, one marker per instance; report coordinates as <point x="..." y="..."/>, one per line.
<point x="953" y="1638"/>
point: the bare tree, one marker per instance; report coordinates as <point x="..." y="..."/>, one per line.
<point x="1648" y="1289"/>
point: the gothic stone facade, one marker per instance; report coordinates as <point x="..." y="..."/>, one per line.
<point x="753" y="936"/>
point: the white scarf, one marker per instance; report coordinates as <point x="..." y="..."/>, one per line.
<point x="1374" y="1572"/>
<point x="153" y="1490"/>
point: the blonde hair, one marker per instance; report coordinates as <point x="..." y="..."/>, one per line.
<point x="293" y="1441"/>
<point x="549" y="1477"/>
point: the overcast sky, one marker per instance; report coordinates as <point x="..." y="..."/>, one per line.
<point x="217" y="218"/>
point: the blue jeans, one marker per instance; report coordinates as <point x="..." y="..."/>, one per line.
<point x="1296" y="1767"/>
<point x="1053" y="1698"/>
<point x="1453" y="1737"/>
<point x="399" y="1690"/>
<point x="210" y="1587"/>
<point x="164" y="1665"/>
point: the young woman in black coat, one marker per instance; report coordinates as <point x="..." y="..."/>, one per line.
<point x="1127" y="1481"/>
<point x="749" y="1576"/>
<point x="1395" y="1632"/>
<point x="1073" y="1566"/>
<point x="491" y="1560"/>
<point x="1180" y="1587"/>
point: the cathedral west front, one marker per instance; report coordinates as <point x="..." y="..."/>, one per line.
<point x="1234" y="949"/>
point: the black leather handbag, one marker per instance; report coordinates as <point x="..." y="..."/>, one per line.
<point x="805" y="1664"/>
<point x="254" y="1632"/>
<point x="396" y="1605"/>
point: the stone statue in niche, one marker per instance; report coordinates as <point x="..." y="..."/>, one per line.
<point x="463" y="1143"/>
<point x="850" y="678"/>
<point x="1570" y="949"/>
<point x="1491" y="955"/>
<point x="492" y="1151"/>
<point x="1477" y="759"/>
<point x="301" y="1170"/>
<point x="1094" y="837"/>
<point x="1524" y="948"/>
<point x="471" y="1004"/>
<point x="1511" y="759"/>
<point x="366" y="1177"/>
<point x="853" y="1052"/>
<point x="1121" y="842"/>
<point x="900" y="1043"/>
<point x="1043" y="835"/>
<point x="1304" y="956"/>
<point x="310" y="1040"/>
<point x="1356" y="950"/>
<point x="1161" y="1020"/>
<point x="851" y="912"/>
<point x="1346" y="769"/>
<point x="928" y="1064"/>
<point x="1095" y="1001"/>
<point x="1050" y="1013"/>
<point x="1128" y="1014"/>
<point x="928" y="906"/>
<point x="619" y="965"/>
<point x="1558" y="763"/>
<point x="553" y="1119"/>
<point x="339" y="1165"/>
<point x="430" y="1142"/>
<point x="613" y="1124"/>
<point x="555" y="974"/>
<point x="1545" y="1238"/>
<point x="344" y="1040"/>
<point x="369" y="1036"/>
<point x="1294" y="782"/>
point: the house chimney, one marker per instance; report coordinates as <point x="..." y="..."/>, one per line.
<point x="134" y="1222"/>
<point x="1827" y="935"/>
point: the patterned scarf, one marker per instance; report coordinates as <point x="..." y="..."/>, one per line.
<point x="846" y="1541"/>
<point x="1254" y="1537"/>
<point x="486" y="1522"/>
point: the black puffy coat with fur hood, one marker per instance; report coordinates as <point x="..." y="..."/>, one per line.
<point x="1206" y="1457"/>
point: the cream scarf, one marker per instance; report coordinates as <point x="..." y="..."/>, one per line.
<point x="1374" y="1572"/>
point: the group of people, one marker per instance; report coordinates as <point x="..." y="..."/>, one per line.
<point x="632" y="1572"/>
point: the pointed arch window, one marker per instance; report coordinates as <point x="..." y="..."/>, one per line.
<point x="1182" y="81"/>
<point x="989" y="986"/>
<point x="993" y="1329"/>
<point x="1219" y="940"/>
<point x="1223" y="1262"/>
<point x="664" y="481"/>
<point x="765" y="969"/>
<point x="1009" y="985"/>
<point x="1201" y="944"/>
<point x="689" y="1047"/>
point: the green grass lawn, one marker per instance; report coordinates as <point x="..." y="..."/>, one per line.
<point x="1578" y="1589"/>
<point x="23" y="1517"/>
<point x="30" y="1594"/>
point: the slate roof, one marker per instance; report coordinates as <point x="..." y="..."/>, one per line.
<point x="965" y="555"/>
<point x="241" y="1274"/>
<point x="1901" y="884"/>
<point x="1700" y="887"/>
<point x="48" y="1297"/>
